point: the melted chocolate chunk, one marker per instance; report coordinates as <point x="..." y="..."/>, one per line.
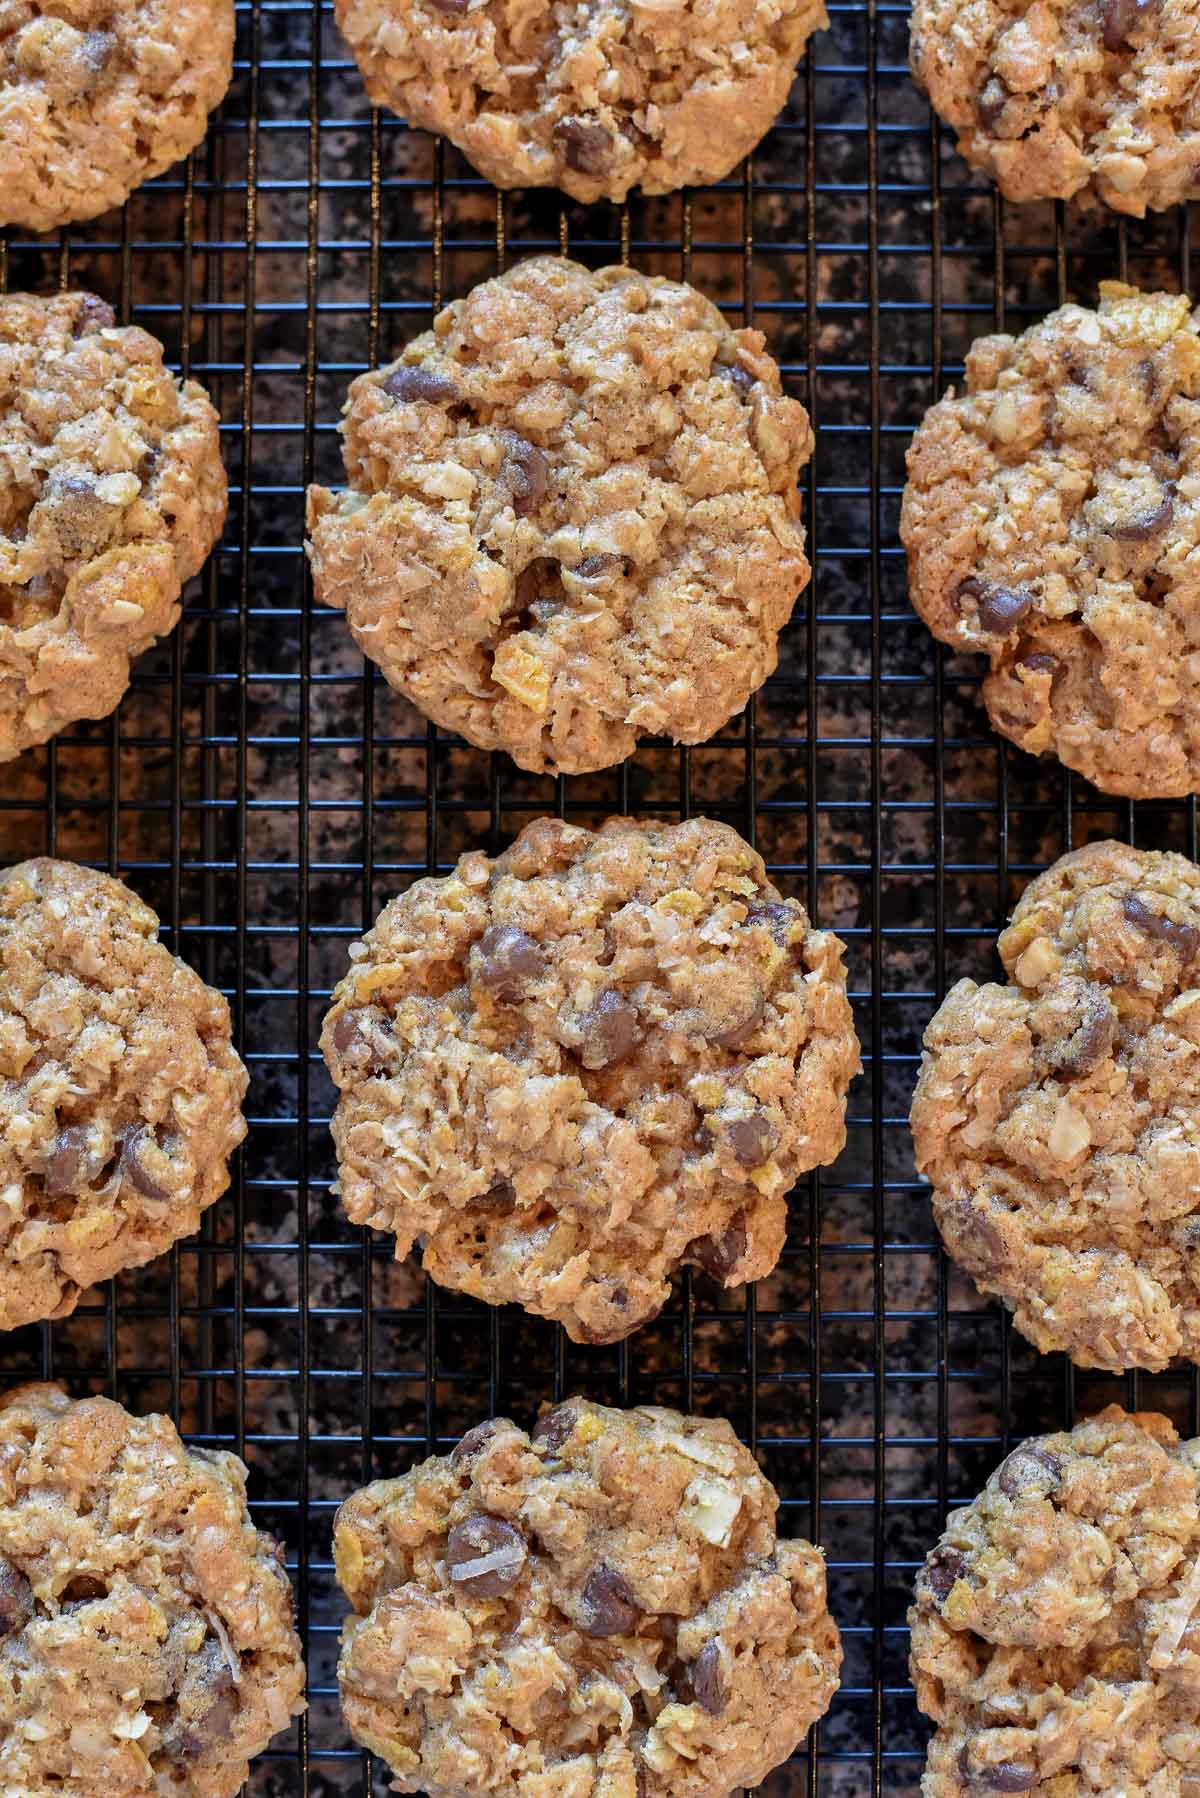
<point x="409" y="383"/>
<point x="609" y="1605"/>
<point x="719" y="1255"/>
<point x="752" y="1139"/>
<point x="942" y="1569"/>
<point x="509" y="961"/>
<point x="1184" y="938"/>
<point x="708" y="1679"/>
<point x="476" y="1539"/>
<point x="999" y="608"/>
<point x="1029" y="1468"/>
<point x="585" y="146"/>
<point x="525" y="472"/>
<point x="610" y="1031"/>
<point x="553" y="1428"/>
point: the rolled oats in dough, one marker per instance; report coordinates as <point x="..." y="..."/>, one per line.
<point x="1058" y="1116"/>
<point x="96" y="96"/>
<point x="120" y="1092"/>
<point x="571" y="1070"/>
<point x="573" y="515"/>
<point x="601" y="1609"/>
<point x="146" y="1639"/>
<point x="1052" y="521"/>
<point x="112" y="494"/>
<point x="591" y="96"/>
<point x="1056" y="1630"/>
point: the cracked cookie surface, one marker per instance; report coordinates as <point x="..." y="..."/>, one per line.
<point x="97" y="96"/>
<point x="593" y="97"/>
<point x="1056" y="1629"/>
<point x="1058" y="1117"/>
<point x="573" y="517"/>
<point x="1096" y="98"/>
<point x="1052" y="522"/>
<point x="600" y="1608"/>
<point x="112" y="494"/>
<point x="146" y="1639"/>
<point x="570" y="1070"/>
<point x="120" y="1091"/>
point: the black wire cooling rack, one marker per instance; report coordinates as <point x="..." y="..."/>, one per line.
<point x="266" y="794"/>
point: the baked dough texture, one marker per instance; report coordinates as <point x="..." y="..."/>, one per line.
<point x="96" y="96"/>
<point x="573" y="515"/>
<point x="120" y="1091"/>
<point x="1052" y="521"/>
<point x="570" y="1070"/>
<point x="112" y="494"/>
<point x="1098" y="99"/>
<point x="146" y="1639"/>
<point x="1058" y="1116"/>
<point x="1056" y="1630"/>
<point x="600" y="1609"/>
<point x="591" y="96"/>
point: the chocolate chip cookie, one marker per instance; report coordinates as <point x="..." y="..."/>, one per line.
<point x="96" y="96"/>
<point x="591" y="96"/>
<point x="121" y="1095"/>
<point x="570" y="1070"/>
<point x="146" y="1639"/>
<point x="112" y="494"/>
<point x="1056" y="1630"/>
<point x="573" y="517"/>
<point x="1095" y="98"/>
<point x="1052" y="517"/>
<point x="1058" y="1117"/>
<point x="600" y="1608"/>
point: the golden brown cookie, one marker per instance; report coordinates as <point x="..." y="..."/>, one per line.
<point x="1058" y="1117"/>
<point x="1056" y="1630"/>
<point x="120" y="1092"/>
<point x="112" y="494"/>
<point x="1052" y="521"/>
<point x="571" y="1070"/>
<point x="601" y="1608"/>
<point x="592" y="96"/>
<point x="96" y="96"/>
<point x="146" y="1639"/>
<point x="572" y="518"/>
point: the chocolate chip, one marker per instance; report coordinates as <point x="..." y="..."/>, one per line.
<point x="776" y="917"/>
<point x="456" y="8"/>
<point x="500" y="1199"/>
<point x="719" y="1255"/>
<point x="973" y="1239"/>
<point x="1141" y="526"/>
<point x="553" y="1428"/>
<point x="942" y="1569"/>
<point x="992" y="100"/>
<point x="16" y="1598"/>
<point x="1120" y="17"/>
<point x="1007" y="1776"/>
<point x="346" y="1034"/>
<point x="752" y="1139"/>
<point x="525" y="472"/>
<point x="1092" y="1038"/>
<point x="1184" y="938"/>
<point x="83" y="1589"/>
<point x="508" y="961"/>
<point x="133" y="1167"/>
<point x="207" y="1704"/>
<point x="999" y="608"/>
<point x="610" y="1030"/>
<point x="93" y="315"/>
<point x="1029" y="1466"/>
<point x="708" y="1680"/>
<point x="593" y="567"/>
<point x="741" y="377"/>
<point x="586" y="146"/>
<point x="1038" y="660"/>
<point x="408" y="383"/>
<point x="609" y="1605"/>
<point x="70" y="1168"/>
<point x="476" y="1539"/>
<point x="746" y="1025"/>
<point x="470" y="1445"/>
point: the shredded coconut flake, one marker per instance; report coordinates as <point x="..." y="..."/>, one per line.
<point x="1179" y="1615"/>
<point x="499" y="1561"/>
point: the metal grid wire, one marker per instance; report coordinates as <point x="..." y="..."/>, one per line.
<point x="266" y="794"/>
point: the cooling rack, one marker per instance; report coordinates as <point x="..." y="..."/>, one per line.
<point x="266" y="794"/>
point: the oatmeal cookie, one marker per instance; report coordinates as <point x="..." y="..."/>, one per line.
<point x="569" y="1070"/>
<point x="1058" y="1117"/>
<point x="146" y="1639"/>
<point x="601" y="1609"/>
<point x="120" y="1092"/>
<point x="1052" y="521"/>
<point x="112" y="494"/>
<point x="96" y="96"/>
<point x="1095" y="98"/>
<point x="1056" y="1630"/>
<point x="590" y="96"/>
<point x="573" y="517"/>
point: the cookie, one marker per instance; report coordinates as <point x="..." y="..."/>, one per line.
<point x="1055" y="1634"/>
<point x="146" y="1639"/>
<point x="600" y="1608"/>
<point x="120" y="1092"/>
<point x="571" y="1070"/>
<point x="1098" y="99"/>
<point x="112" y="494"/>
<point x="1058" y="1117"/>
<point x="96" y="96"/>
<point x="573" y="517"/>
<point x="590" y="96"/>
<point x="1052" y="521"/>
